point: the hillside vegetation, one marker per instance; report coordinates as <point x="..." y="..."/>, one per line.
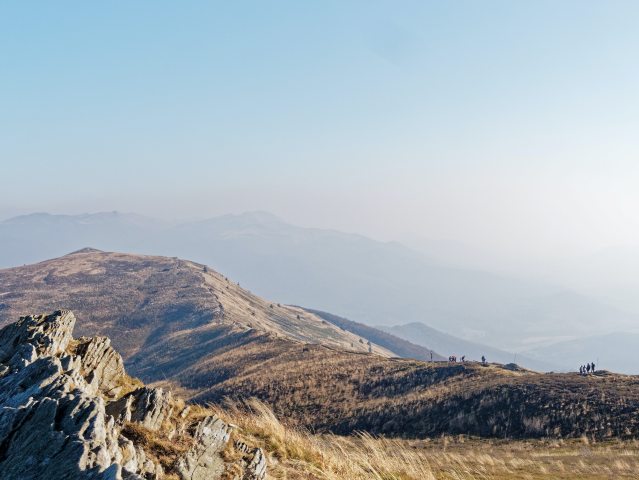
<point x="331" y="391"/>
<point x="183" y="325"/>
<point x="296" y="454"/>
<point x="146" y="301"/>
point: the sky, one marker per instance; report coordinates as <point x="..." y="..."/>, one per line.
<point x="509" y="126"/>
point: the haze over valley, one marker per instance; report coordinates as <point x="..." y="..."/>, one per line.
<point x="377" y="283"/>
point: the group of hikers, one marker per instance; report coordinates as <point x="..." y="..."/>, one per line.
<point x="587" y="368"/>
<point x="453" y="359"/>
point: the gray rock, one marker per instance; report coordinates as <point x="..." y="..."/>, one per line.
<point x="50" y="424"/>
<point x="61" y="418"/>
<point x="256" y="469"/>
<point x="49" y="335"/>
<point x="102" y="365"/>
<point x="203" y="461"/>
<point x="146" y="406"/>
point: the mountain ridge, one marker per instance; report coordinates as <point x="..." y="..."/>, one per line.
<point x="211" y="346"/>
<point x="380" y="283"/>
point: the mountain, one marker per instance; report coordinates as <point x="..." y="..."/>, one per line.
<point x="400" y="346"/>
<point x="442" y="342"/>
<point x="185" y="327"/>
<point x="182" y="310"/>
<point x="68" y="410"/>
<point x="361" y="279"/>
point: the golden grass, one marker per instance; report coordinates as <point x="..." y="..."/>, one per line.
<point x="158" y="448"/>
<point x="296" y="454"/>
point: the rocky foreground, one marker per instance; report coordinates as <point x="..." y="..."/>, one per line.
<point x="68" y="410"/>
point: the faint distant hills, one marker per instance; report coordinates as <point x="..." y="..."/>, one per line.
<point x="359" y="278"/>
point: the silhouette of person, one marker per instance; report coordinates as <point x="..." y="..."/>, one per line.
<point x="483" y="359"/>
<point x="592" y="367"/>
<point x="588" y="368"/>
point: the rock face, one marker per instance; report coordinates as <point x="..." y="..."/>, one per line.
<point x="69" y="411"/>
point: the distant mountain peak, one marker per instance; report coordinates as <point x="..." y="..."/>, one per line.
<point x="86" y="250"/>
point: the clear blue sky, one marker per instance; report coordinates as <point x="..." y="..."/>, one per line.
<point x="504" y="120"/>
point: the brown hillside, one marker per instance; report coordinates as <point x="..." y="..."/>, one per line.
<point x="182" y="324"/>
<point x="143" y="301"/>
<point x="325" y="390"/>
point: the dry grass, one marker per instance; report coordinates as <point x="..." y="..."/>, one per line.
<point x="158" y="448"/>
<point x="179" y="323"/>
<point x="128" y="384"/>
<point x="339" y="392"/>
<point x="295" y="454"/>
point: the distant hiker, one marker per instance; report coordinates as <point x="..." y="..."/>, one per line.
<point x="483" y="360"/>
<point x="463" y="358"/>
<point x="592" y="368"/>
<point x="588" y="368"/>
<point x="581" y="369"/>
<point x="431" y="355"/>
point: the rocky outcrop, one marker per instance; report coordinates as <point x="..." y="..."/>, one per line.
<point x="101" y="365"/>
<point x="69" y="411"/>
<point x="202" y="461"/>
<point x="149" y="407"/>
<point x="255" y="467"/>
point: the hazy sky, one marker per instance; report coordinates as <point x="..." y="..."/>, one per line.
<point x="512" y="125"/>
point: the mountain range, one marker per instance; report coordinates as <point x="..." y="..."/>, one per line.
<point x="367" y="281"/>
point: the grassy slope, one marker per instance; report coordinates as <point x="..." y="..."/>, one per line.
<point x="295" y="454"/>
<point x="333" y="391"/>
<point x="183" y="324"/>
<point x="143" y="302"/>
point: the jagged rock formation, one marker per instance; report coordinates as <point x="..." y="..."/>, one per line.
<point x="69" y="411"/>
